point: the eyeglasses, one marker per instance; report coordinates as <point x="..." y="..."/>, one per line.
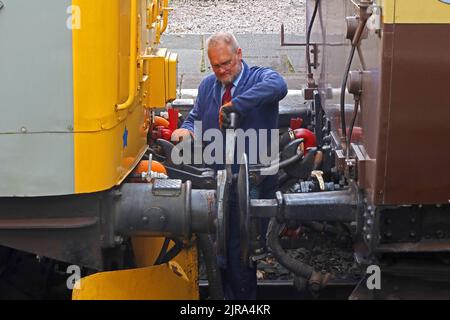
<point x="225" y="65"/>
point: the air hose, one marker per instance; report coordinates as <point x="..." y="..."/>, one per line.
<point x="212" y="269"/>
<point x="164" y="255"/>
<point x="316" y="280"/>
<point x="308" y="40"/>
<point x="363" y="17"/>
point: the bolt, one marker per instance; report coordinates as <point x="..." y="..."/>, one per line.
<point x="388" y="221"/>
<point x="368" y="237"/>
<point x="162" y="219"/>
<point x="365" y="228"/>
<point x="413" y="220"/>
<point x="439" y="233"/>
<point x="259" y="251"/>
<point x="118" y="239"/>
<point x="388" y="234"/>
<point x="314" y="286"/>
<point x="412" y="234"/>
<point x="69" y="128"/>
<point x="145" y="220"/>
<point x="369" y="221"/>
<point x="23" y="130"/>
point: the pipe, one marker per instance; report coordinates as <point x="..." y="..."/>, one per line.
<point x="364" y="15"/>
<point x="286" y="138"/>
<point x="165" y="208"/>
<point x="321" y="206"/>
<point x="352" y="125"/>
<point x="212" y="269"/>
<point x="316" y="280"/>
<point x="339" y="205"/>
<point x="273" y="242"/>
<point x="308" y="40"/>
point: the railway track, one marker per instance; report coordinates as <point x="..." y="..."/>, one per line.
<point x="285" y="290"/>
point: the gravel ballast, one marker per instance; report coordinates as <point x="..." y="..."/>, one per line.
<point x="237" y="16"/>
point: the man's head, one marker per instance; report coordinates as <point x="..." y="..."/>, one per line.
<point x="225" y="56"/>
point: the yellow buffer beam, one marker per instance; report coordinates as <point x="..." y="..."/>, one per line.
<point x="163" y="282"/>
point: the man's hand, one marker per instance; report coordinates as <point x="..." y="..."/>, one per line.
<point x="224" y="115"/>
<point x="180" y="134"/>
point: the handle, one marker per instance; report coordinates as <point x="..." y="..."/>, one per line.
<point x="132" y="79"/>
<point x="166" y="11"/>
<point x="234" y="117"/>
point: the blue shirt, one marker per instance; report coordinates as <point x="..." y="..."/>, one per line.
<point x="256" y="98"/>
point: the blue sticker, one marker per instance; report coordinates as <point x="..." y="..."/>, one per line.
<point x="445" y="1"/>
<point x="125" y="137"/>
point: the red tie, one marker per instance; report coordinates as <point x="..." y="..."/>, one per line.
<point x="227" y="95"/>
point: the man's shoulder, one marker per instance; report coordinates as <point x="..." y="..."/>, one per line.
<point x="208" y="82"/>
<point x="254" y="70"/>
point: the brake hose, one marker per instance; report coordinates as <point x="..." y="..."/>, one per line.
<point x="352" y="124"/>
<point x="308" y="39"/>
<point x="363" y="17"/>
<point x="164" y="255"/>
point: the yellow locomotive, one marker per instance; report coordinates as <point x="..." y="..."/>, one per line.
<point x="79" y="82"/>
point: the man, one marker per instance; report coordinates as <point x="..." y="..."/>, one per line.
<point x="253" y="93"/>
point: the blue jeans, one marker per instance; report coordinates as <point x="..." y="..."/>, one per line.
<point x="239" y="280"/>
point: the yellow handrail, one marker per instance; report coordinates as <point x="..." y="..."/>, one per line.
<point x="166" y="10"/>
<point x="133" y="59"/>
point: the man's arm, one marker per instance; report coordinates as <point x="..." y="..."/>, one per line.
<point x="187" y="128"/>
<point x="270" y="88"/>
<point x="192" y="117"/>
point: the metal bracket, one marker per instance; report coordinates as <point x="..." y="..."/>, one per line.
<point x="314" y="51"/>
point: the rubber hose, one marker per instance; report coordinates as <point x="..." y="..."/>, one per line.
<point x="285" y="139"/>
<point x="273" y="241"/>
<point x="212" y="269"/>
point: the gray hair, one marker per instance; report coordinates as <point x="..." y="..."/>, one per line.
<point x="223" y="37"/>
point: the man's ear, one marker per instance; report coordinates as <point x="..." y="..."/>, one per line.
<point x="239" y="53"/>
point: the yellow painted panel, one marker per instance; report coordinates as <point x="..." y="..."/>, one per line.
<point x="156" y="83"/>
<point x="102" y="159"/>
<point x="107" y="143"/>
<point x="147" y="249"/>
<point x="176" y="280"/>
<point x="422" y="11"/>
<point x="388" y="10"/>
<point x="164" y="282"/>
<point x="171" y="76"/>
<point x="96" y="64"/>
